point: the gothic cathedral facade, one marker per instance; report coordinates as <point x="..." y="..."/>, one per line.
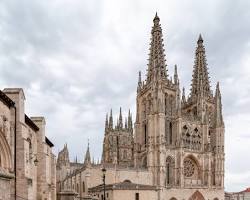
<point x="177" y="141"/>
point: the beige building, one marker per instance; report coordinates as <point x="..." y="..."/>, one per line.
<point x="243" y="195"/>
<point x="176" y="144"/>
<point x="27" y="164"/>
<point x="124" y="191"/>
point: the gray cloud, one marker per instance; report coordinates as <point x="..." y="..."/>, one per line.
<point x="77" y="59"/>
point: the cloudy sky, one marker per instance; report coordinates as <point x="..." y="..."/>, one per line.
<point x="76" y="59"/>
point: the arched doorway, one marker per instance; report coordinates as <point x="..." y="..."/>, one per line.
<point x="196" y="196"/>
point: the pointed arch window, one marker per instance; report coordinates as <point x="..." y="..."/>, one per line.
<point x="170" y="133"/>
<point x="145" y="134"/>
<point x="170" y="171"/>
<point x="83" y="186"/>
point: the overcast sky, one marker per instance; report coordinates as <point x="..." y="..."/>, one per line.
<point x="76" y="59"/>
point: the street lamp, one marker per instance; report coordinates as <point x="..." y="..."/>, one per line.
<point x="103" y="179"/>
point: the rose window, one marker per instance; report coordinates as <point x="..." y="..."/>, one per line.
<point x="189" y="168"/>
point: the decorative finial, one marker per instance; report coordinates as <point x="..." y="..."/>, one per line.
<point x="200" y="40"/>
<point x="156" y="17"/>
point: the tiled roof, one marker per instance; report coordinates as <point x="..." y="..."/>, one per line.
<point x="247" y="190"/>
<point x="125" y="185"/>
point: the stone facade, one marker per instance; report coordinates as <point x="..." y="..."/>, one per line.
<point x="176" y="144"/>
<point x="27" y="167"/>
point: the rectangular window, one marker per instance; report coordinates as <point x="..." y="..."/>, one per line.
<point x="136" y="196"/>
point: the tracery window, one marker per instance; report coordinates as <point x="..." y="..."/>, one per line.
<point x="189" y="168"/>
<point x="191" y="171"/>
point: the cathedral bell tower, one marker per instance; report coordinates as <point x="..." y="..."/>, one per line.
<point x="158" y="106"/>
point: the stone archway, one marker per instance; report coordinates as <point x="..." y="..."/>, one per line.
<point x="5" y="153"/>
<point x="196" y="196"/>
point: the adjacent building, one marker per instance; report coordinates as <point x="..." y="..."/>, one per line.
<point x="27" y="164"/>
<point x="173" y="150"/>
<point x="243" y="195"/>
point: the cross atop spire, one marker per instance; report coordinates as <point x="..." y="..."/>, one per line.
<point x="200" y="82"/>
<point x="156" y="65"/>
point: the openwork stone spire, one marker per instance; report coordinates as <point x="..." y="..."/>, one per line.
<point x="200" y="81"/>
<point x="157" y="62"/>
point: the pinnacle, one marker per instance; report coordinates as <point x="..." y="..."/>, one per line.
<point x="156" y="17"/>
<point x="200" y="39"/>
<point x="217" y="92"/>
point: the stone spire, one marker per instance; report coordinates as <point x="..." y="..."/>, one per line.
<point x="218" y="119"/>
<point x="111" y="120"/>
<point x="200" y="80"/>
<point x="106" y="123"/>
<point x="126" y="123"/>
<point x="87" y="159"/>
<point x="157" y="62"/>
<point x="176" y="79"/>
<point x="139" y="82"/>
<point x="120" y="122"/>
<point x="130" y="122"/>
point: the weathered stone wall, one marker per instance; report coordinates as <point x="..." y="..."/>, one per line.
<point x="5" y="189"/>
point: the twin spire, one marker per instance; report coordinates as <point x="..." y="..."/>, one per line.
<point x="157" y="62"/>
<point x="128" y="122"/>
<point x="200" y="79"/>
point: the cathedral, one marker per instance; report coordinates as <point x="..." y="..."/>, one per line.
<point x="173" y="150"/>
